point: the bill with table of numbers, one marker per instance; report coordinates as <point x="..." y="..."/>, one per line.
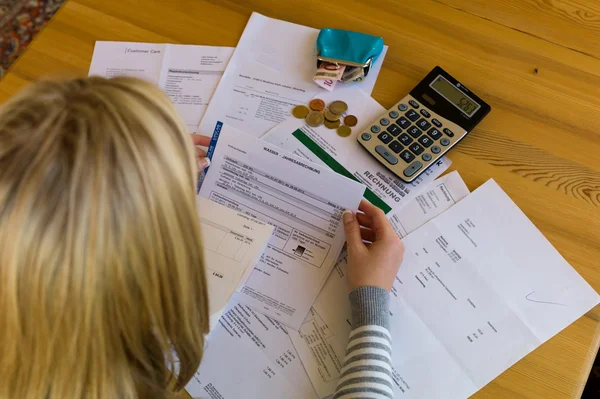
<point x="302" y="200"/>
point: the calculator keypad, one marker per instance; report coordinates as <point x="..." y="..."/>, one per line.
<point x="412" y="115"/>
<point x="414" y="131"/>
<point x="394" y="130"/>
<point x="409" y="137"/>
<point x="385" y="137"/>
<point x="403" y="122"/>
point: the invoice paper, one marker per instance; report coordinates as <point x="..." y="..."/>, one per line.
<point x="188" y="74"/>
<point x="270" y="72"/>
<point x="302" y="200"/>
<point x="345" y="156"/>
<point x="322" y="339"/>
<point x="479" y="288"/>
<point x="249" y="355"/>
<point x="233" y="243"/>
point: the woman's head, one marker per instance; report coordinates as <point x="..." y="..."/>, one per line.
<point x="101" y="270"/>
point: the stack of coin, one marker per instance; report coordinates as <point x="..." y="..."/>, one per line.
<point x="331" y="116"/>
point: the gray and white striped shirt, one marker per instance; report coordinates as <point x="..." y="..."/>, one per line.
<point x="367" y="370"/>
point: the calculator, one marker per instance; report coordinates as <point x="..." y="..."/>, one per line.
<point x="424" y="125"/>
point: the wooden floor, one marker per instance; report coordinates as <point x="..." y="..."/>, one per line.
<point x="537" y="62"/>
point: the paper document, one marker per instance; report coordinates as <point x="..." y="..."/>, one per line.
<point x="302" y="200"/>
<point x="479" y="288"/>
<point x="270" y="72"/>
<point x="346" y="156"/>
<point x="188" y="74"/>
<point x="233" y="244"/>
<point x="249" y="355"/>
<point x="322" y="338"/>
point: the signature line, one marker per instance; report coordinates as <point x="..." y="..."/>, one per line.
<point x="549" y="303"/>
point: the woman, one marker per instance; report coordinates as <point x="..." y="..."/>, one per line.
<point x="102" y="279"/>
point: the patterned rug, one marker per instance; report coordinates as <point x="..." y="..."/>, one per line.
<point x="20" y="21"/>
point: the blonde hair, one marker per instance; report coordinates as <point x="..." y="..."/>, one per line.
<point x="102" y="286"/>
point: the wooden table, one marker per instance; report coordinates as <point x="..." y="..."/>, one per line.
<point x="536" y="62"/>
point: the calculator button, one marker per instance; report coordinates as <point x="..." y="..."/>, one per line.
<point x="423" y="124"/>
<point x="413" y="104"/>
<point x="385" y="137"/>
<point x="416" y="148"/>
<point x="365" y="136"/>
<point x="414" y="131"/>
<point x="425" y="113"/>
<point x="425" y="141"/>
<point x="384" y="121"/>
<point x="412" y="115"/>
<point x="436" y="122"/>
<point x="426" y="157"/>
<point x="375" y="129"/>
<point x="434" y="133"/>
<point x="448" y="132"/>
<point x="388" y="156"/>
<point x="436" y="149"/>
<point x="395" y="146"/>
<point x="393" y="114"/>
<point x="403" y="122"/>
<point x="394" y="130"/>
<point x="444" y="141"/>
<point x="407" y="156"/>
<point x="412" y="168"/>
<point x="402" y="107"/>
<point x="405" y="139"/>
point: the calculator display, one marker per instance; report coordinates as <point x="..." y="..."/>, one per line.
<point x="459" y="99"/>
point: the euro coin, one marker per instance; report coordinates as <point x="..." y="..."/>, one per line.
<point x="314" y="119"/>
<point x="350" y="120"/>
<point x="338" y="107"/>
<point x="317" y="104"/>
<point x="300" y="111"/>
<point x="344" y="131"/>
<point x="330" y="116"/>
<point x="332" y="125"/>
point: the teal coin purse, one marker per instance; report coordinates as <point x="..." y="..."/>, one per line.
<point x="348" y="48"/>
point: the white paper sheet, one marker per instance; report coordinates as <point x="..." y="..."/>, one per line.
<point x="269" y="73"/>
<point x="233" y="243"/>
<point x="322" y="338"/>
<point x="304" y="202"/>
<point x="479" y="288"/>
<point x="249" y="355"/>
<point x="189" y="74"/>
<point x="295" y="136"/>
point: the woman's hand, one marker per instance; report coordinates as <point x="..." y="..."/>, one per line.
<point x="201" y="141"/>
<point x="375" y="252"/>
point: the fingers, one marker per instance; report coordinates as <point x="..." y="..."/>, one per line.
<point x="203" y="163"/>
<point x="200" y="153"/>
<point x="367" y="235"/>
<point x="203" y="141"/>
<point x="352" y="229"/>
<point x="364" y="220"/>
<point x="380" y="225"/>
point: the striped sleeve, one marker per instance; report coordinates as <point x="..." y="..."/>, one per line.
<point x="367" y="370"/>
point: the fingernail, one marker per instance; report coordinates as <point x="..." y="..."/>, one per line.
<point x="347" y="216"/>
<point x="203" y="163"/>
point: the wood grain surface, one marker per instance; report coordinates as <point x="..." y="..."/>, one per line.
<point x="537" y="62"/>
